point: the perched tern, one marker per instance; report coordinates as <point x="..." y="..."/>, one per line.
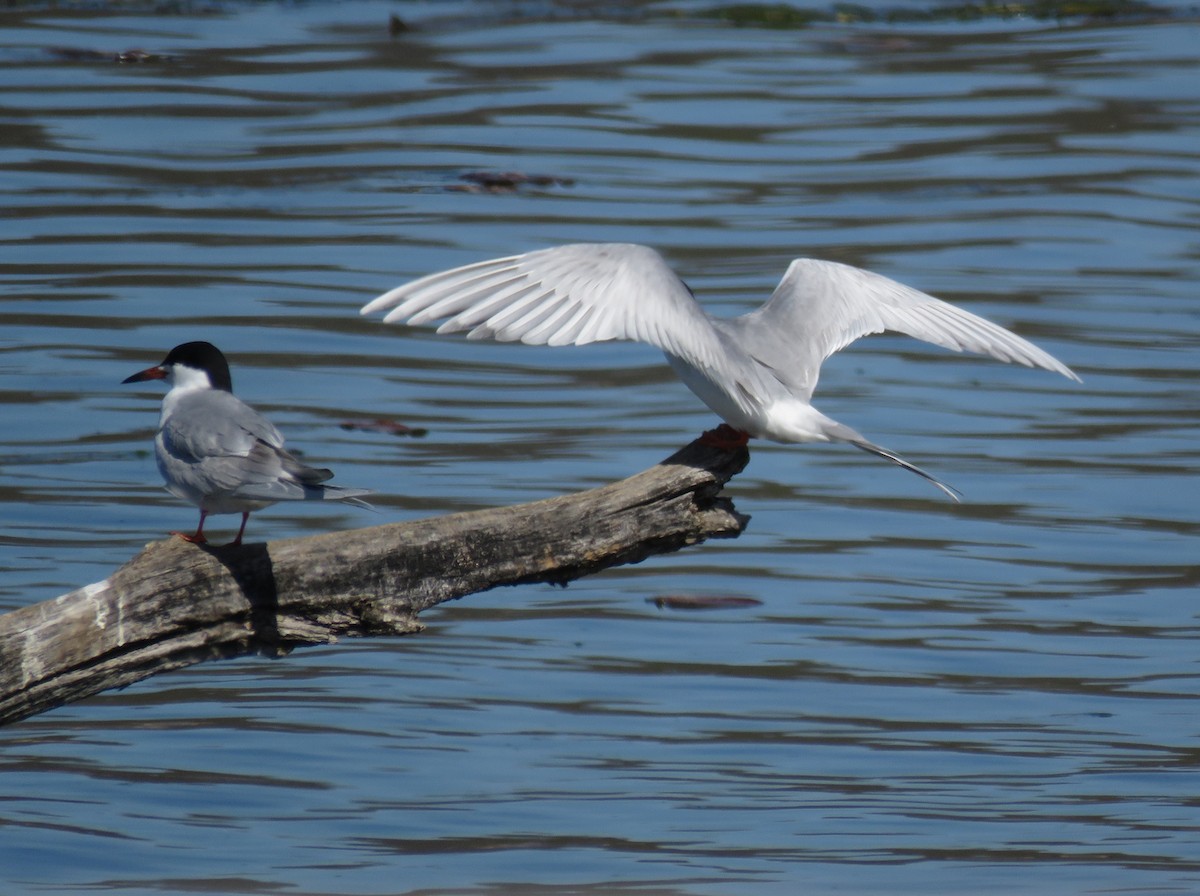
<point x="757" y="371"/>
<point x="218" y="452"/>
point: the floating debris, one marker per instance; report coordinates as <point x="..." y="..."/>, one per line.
<point x="387" y="427"/>
<point x="77" y="54"/>
<point x="138" y="56"/>
<point x="702" y="601"/>
<point x="507" y="181"/>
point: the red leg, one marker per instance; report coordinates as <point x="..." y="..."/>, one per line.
<point x="198" y="536"/>
<point x="238" y="540"/>
<point x="725" y="437"/>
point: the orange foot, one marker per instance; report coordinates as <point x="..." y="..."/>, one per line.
<point x="193" y="538"/>
<point x="725" y="437"/>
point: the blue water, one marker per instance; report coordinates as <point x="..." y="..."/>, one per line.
<point x="994" y="697"/>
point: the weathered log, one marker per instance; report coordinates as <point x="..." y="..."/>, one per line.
<point x="176" y="604"/>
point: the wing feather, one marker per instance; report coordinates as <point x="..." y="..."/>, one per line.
<point x="571" y="295"/>
<point x="821" y="307"/>
<point x="582" y="293"/>
<point x="630" y="289"/>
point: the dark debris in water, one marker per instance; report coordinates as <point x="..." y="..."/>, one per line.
<point x="783" y="15"/>
<point x="506" y="181"/>
<point x="385" y="426"/>
<point x="128" y="57"/>
<point x="702" y="601"/>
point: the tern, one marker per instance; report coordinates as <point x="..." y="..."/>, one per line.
<point x="757" y="371"/>
<point x="220" y="454"/>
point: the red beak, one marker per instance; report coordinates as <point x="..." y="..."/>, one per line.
<point x="150" y="373"/>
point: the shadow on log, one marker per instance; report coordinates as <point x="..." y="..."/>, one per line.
<point x="176" y="604"/>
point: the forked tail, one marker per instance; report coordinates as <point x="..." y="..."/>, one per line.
<point x="840" y="432"/>
<point x="346" y="495"/>
<point x="872" y="448"/>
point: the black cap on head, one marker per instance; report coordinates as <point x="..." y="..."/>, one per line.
<point x="202" y="356"/>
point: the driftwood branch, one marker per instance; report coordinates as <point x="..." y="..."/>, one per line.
<point x="176" y="604"/>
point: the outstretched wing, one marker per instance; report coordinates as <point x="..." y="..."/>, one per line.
<point x="822" y="306"/>
<point x="573" y="295"/>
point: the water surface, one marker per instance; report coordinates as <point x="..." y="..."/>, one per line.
<point x="998" y="696"/>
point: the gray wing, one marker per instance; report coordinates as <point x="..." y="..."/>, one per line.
<point x="212" y="424"/>
<point x="821" y="306"/>
<point x="573" y="295"/>
<point x="216" y="443"/>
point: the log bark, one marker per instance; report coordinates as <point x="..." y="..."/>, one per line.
<point x="176" y="604"/>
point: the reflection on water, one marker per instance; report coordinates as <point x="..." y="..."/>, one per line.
<point x="907" y="694"/>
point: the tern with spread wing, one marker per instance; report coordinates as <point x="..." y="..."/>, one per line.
<point x="219" y="453"/>
<point x="757" y="371"/>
